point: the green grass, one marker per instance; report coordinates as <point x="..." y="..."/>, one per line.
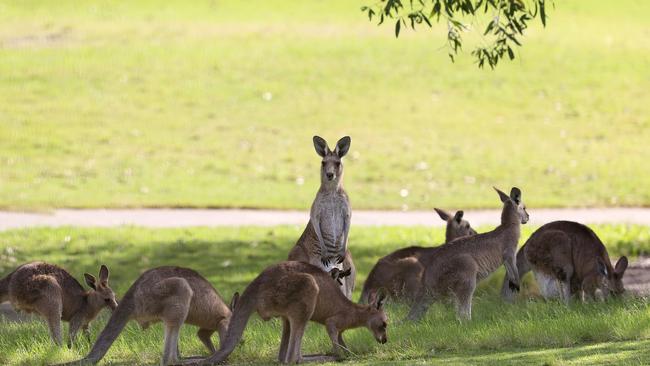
<point x="123" y="104"/>
<point x="528" y="332"/>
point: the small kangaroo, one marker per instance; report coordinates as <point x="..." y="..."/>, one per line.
<point x="173" y="295"/>
<point x="455" y="269"/>
<point x="325" y="239"/>
<point x="568" y="258"/>
<point x="53" y="293"/>
<point x="298" y="292"/>
<point x="400" y="272"/>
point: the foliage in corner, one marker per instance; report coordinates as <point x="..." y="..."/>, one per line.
<point x="509" y="20"/>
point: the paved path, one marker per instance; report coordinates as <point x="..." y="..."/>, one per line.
<point x="237" y="217"/>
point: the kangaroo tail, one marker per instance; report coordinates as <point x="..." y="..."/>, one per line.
<point x="113" y="328"/>
<point x="4" y="288"/>
<point x="368" y="286"/>
<point x="243" y="310"/>
<point x="523" y="267"/>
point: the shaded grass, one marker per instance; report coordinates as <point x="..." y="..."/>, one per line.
<point x="124" y="104"/>
<point x="529" y="331"/>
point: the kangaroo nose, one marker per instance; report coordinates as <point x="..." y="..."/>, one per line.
<point x="330" y="176"/>
<point x="384" y="340"/>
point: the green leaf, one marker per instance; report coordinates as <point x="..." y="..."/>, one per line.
<point x="397" y="27"/>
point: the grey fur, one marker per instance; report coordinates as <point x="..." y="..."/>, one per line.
<point x="457" y="268"/>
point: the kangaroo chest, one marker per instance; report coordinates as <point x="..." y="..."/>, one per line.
<point x="332" y="211"/>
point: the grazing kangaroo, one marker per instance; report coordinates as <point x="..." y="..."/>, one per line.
<point x="173" y="295"/>
<point x="53" y="293"/>
<point x="457" y="268"/>
<point x="400" y="272"/>
<point x="298" y="292"/>
<point x="324" y="241"/>
<point x="568" y="258"/>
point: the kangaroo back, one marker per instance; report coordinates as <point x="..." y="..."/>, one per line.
<point x="243" y="310"/>
<point x="113" y="328"/>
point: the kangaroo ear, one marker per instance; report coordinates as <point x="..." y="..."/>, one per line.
<point x="90" y="280"/>
<point x="621" y="266"/>
<point x="320" y="145"/>
<point x="515" y="194"/>
<point x="443" y="214"/>
<point x="103" y="274"/>
<point x="233" y="302"/>
<point x="342" y="146"/>
<point x="504" y="197"/>
<point x="602" y="269"/>
<point x="459" y="216"/>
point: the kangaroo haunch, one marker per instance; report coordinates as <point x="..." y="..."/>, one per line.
<point x="567" y="258"/>
<point x="298" y="292"/>
<point x="53" y="293"/>
<point x="400" y="272"/>
<point x="173" y="295"/>
<point x="456" y="268"/>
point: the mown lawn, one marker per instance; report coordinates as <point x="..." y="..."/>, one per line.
<point x="528" y="332"/>
<point x="214" y="103"/>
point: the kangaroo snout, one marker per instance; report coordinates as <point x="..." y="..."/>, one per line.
<point x="330" y="176"/>
<point x="382" y="340"/>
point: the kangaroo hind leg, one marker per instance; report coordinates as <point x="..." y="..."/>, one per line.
<point x="50" y="306"/>
<point x="175" y="294"/>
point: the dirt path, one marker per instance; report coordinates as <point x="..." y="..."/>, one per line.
<point x="238" y="217"/>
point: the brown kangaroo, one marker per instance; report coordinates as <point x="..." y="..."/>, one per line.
<point x="568" y="258"/>
<point x="173" y="295"/>
<point x="53" y="293"/>
<point x="298" y="292"/>
<point x="456" y="269"/>
<point x="400" y="272"/>
<point x="325" y="239"/>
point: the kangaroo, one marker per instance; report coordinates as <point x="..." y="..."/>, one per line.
<point x="51" y="292"/>
<point x="298" y="292"/>
<point x="324" y="241"/>
<point x="568" y="258"/>
<point x="455" y="269"/>
<point x="400" y="272"/>
<point x="173" y="295"/>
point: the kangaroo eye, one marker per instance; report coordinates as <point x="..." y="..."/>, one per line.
<point x="322" y="163"/>
<point x="337" y="164"/>
<point x="107" y="300"/>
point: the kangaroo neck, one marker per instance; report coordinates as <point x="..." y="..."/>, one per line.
<point x="334" y="185"/>
<point x="116" y="323"/>
<point x="509" y="215"/>
<point x="355" y="317"/>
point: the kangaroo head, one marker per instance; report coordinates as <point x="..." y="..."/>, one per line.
<point x="100" y="294"/>
<point x="514" y="208"/>
<point x="331" y="167"/>
<point x="456" y="226"/>
<point x="377" y="319"/>
<point x="612" y="281"/>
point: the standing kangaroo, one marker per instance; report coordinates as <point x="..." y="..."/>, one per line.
<point x="324" y="241"/>
<point x="298" y="292"/>
<point x="53" y="293"/>
<point x="457" y="268"/>
<point x="173" y="295"/>
<point x="400" y="272"/>
<point x="568" y="258"/>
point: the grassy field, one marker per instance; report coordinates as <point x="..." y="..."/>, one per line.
<point x="528" y="332"/>
<point x="214" y="103"/>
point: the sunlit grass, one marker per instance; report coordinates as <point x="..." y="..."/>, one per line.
<point x="530" y="331"/>
<point x="122" y="104"/>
